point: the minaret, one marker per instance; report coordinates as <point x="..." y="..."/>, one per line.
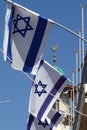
<point x="59" y="105"/>
<point x="54" y="48"/>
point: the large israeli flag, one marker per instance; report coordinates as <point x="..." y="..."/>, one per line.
<point x="25" y="36"/>
<point x="47" y="87"/>
<point x="50" y="123"/>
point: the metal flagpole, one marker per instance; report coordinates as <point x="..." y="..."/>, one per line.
<point x="76" y="76"/>
<point x="67" y="29"/>
<point x="73" y="97"/>
<point x="76" y="66"/>
<point x="80" y="61"/>
<point x="82" y="9"/>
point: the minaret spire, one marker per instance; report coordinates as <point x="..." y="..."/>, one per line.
<point x="54" y="48"/>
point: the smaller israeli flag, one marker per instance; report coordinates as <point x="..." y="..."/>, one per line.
<point x="35" y="124"/>
<point x="51" y="122"/>
<point x="25" y="36"/>
<point x="54" y="118"/>
<point x="47" y="87"/>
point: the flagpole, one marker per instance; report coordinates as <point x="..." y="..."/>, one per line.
<point x="77" y="53"/>
<point x="82" y="10"/>
<point x="67" y="29"/>
<point x="80" y="59"/>
<point x="82" y="7"/>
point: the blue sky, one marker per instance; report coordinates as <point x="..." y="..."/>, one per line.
<point x="14" y="86"/>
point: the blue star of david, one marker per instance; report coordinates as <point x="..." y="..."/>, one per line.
<point x="44" y="124"/>
<point x="40" y="88"/>
<point x="21" y="25"/>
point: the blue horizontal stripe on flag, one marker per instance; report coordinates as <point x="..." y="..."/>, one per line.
<point x="9" y="54"/>
<point x="35" y="45"/>
<point x="50" y="97"/>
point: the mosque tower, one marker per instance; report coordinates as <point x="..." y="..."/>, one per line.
<point x="67" y="100"/>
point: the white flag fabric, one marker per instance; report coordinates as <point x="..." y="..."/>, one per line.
<point x="50" y="123"/>
<point x="53" y="118"/>
<point x="47" y="87"/>
<point x="25" y="36"/>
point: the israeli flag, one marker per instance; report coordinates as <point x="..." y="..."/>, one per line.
<point x="53" y="118"/>
<point x="35" y="124"/>
<point x="25" y="36"/>
<point x="47" y="87"/>
<point x="50" y="123"/>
